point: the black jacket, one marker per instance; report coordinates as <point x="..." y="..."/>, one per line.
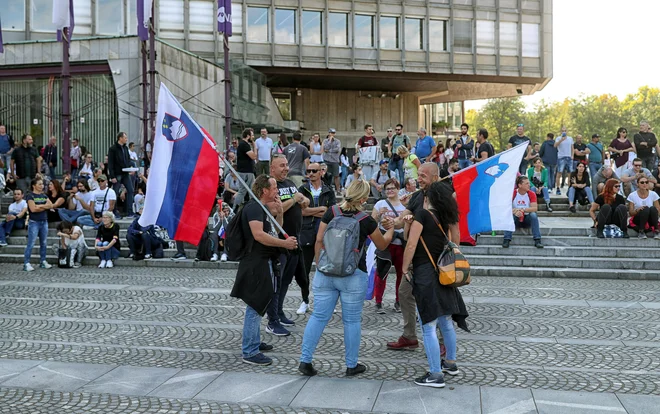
<point x="118" y="158"/>
<point x="310" y="223"/>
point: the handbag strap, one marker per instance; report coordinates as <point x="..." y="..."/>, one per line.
<point x="439" y="225"/>
<point x="435" y="266"/>
<point x="396" y="213"/>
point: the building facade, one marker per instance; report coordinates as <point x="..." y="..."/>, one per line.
<point x="314" y="64"/>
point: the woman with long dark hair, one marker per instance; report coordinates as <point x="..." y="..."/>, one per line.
<point x="57" y="197"/>
<point x="612" y="208"/>
<point x="436" y="304"/>
<point x="620" y="149"/>
<point x="580" y="186"/>
<point x="345" y="164"/>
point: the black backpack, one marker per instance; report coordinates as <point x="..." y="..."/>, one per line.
<point x="236" y="245"/>
<point x="205" y="247"/>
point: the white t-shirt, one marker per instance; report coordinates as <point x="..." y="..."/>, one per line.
<point x="643" y="202"/>
<point x="133" y="155"/>
<point x="385" y="210"/>
<point x="80" y="241"/>
<point x="93" y="184"/>
<point x="564" y="148"/>
<point x="86" y="170"/>
<point x="523" y="200"/>
<point x="264" y="147"/>
<point x="15" y="208"/>
<point x="88" y="197"/>
<point x="99" y="195"/>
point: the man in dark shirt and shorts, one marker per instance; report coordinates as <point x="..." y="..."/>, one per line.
<point x="292" y="204"/>
<point x="245" y="156"/>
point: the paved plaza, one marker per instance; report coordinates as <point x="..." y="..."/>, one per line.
<point x="165" y="340"/>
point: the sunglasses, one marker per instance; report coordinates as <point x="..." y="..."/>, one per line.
<point x="637" y="165"/>
<point x="389" y="130"/>
<point x="312" y="171"/>
<point x="643" y="182"/>
<point x="521" y="125"/>
<point x="617" y="186"/>
<point x="398" y="129"/>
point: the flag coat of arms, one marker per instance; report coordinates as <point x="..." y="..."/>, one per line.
<point x="183" y="180"/>
<point x="483" y="192"/>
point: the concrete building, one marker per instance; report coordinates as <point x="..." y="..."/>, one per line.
<point x="297" y="64"/>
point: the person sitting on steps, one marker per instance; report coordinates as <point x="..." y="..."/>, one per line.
<point x="580" y="186"/>
<point x="524" y="212"/>
<point x="612" y="209"/>
<point x="538" y="175"/>
<point x="643" y="208"/>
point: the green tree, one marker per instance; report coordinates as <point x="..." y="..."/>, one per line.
<point x="500" y="116"/>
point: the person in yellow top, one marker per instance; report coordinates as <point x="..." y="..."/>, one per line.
<point x="410" y="162"/>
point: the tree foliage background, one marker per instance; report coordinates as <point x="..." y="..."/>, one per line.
<point x="586" y="115"/>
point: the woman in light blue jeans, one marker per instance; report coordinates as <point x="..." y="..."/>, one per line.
<point x="38" y="207"/>
<point x="351" y="290"/>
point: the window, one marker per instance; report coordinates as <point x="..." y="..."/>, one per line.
<point x="257" y="23"/>
<point x="389" y="32"/>
<point x="508" y="39"/>
<point x="283" y="101"/>
<point x="285" y="26"/>
<point x="486" y="37"/>
<point x="437" y="37"/>
<point x="414" y="37"/>
<point x="131" y="17"/>
<point x="312" y="34"/>
<point x="530" y="40"/>
<point x="82" y="13"/>
<point x="463" y="36"/>
<point x="14" y="18"/>
<point x="236" y="18"/>
<point x="364" y="31"/>
<point x="110" y="17"/>
<point x="201" y="16"/>
<point x="42" y="16"/>
<point x="338" y="29"/>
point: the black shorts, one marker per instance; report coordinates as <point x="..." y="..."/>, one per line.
<point x="333" y="168"/>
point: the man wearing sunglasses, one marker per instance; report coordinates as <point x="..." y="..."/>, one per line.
<point x="320" y="197"/>
<point x="630" y="177"/>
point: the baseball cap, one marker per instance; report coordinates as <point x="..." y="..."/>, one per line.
<point x="595" y="136"/>
<point x="332" y="131"/>
<point x="383" y="162"/>
<point x="102" y="178"/>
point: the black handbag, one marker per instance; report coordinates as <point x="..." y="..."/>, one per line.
<point x="64" y="258"/>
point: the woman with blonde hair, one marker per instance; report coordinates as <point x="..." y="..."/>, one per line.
<point x="107" y="240"/>
<point x="351" y="289"/>
<point x="410" y="162"/>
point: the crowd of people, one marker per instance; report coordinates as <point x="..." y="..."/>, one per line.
<point x="297" y="186"/>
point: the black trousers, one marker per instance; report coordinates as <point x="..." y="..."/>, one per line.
<point x="648" y="215"/>
<point x="617" y="216"/>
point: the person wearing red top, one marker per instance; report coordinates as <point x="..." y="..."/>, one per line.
<point x="524" y="212"/>
<point x="369" y="166"/>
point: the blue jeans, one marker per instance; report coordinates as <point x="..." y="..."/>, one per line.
<point x="71" y="215"/>
<point x="398" y="166"/>
<point x="552" y="175"/>
<point x="36" y="228"/>
<point x="110" y="254"/>
<point x="351" y="290"/>
<point x="127" y="180"/>
<point x="464" y="163"/>
<point x="588" y="193"/>
<point x="344" y="174"/>
<point x="136" y="241"/>
<point x="86" y="220"/>
<point x="565" y="164"/>
<point x="7" y="226"/>
<point x="251" y="333"/>
<point x="530" y="220"/>
<point x="593" y="168"/>
<point x="431" y="345"/>
<point x="544" y="191"/>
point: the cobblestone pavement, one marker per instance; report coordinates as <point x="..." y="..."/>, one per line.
<point x="594" y="336"/>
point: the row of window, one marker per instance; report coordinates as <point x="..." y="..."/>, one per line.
<point x="343" y="29"/>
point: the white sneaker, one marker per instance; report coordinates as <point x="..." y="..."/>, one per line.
<point x="223" y="257"/>
<point x="28" y="267"/>
<point x="146" y="257"/>
<point x="102" y="264"/>
<point x="214" y="258"/>
<point x="45" y="265"/>
<point x="77" y="265"/>
<point x="302" y="309"/>
<point x="109" y="264"/>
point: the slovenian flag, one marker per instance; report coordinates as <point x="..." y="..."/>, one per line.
<point x="483" y="192"/>
<point x="184" y="173"/>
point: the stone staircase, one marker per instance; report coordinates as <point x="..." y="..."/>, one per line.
<point x="571" y="250"/>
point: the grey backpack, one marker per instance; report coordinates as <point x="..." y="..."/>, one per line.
<point x="340" y="254"/>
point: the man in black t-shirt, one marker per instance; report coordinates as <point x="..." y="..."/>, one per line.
<point x="521" y="139"/>
<point x="645" y="142"/>
<point x="257" y="270"/>
<point x="427" y="174"/>
<point x="580" y="152"/>
<point x="292" y="204"/>
<point x="245" y="156"/>
<point x="452" y="168"/>
<point x="484" y="150"/>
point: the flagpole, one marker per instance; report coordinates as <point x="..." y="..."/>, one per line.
<point x="152" y="75"/>
<point x="227" y="82"/>
<point x="480" y="162"/>
<point x="66" y="107"/>
<point x="145" y="100"/>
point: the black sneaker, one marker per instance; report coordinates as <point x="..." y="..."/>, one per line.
<point x="572" y="209"/>
<point x="600" y="234"/>
<point x="307" y="369"/>
<point x="448" y="368"/>
<point x="397" y="307"/>
<point x="626" y="235"/>
<point x="277" y="329"/>
<point x="259" y="359"/>
<point x="286" y="321"/>
<point x="506" y="244"/>
<point x="179" y="256"/>
<point x="431" y="380"/>
<point x="379" y="309"/>
<point x="264" y="347"/>
<point x="358" y="369"/>
<point x="537" y="244"/>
